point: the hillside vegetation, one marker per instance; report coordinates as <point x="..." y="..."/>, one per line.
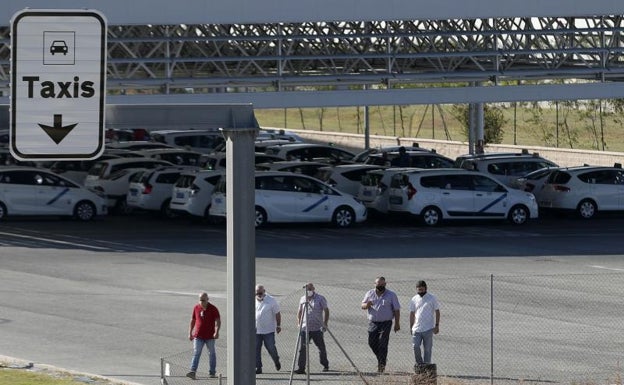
<point x="590" y="125"/>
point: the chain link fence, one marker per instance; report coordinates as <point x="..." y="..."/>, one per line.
<point x="494" y="329"/>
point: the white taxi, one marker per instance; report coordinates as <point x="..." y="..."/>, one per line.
<point x="290" y="197"/>
<point x="33" y="191"/>
<point x="436" y="195"/>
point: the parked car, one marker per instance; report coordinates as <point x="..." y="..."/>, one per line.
<point x="204" y="141"/>
<point x="507" y="168"/>
<point x="460" y="160"/>
<point x="33" y="191"/>
<point x="296" y="166"/>
<point x="262" y="145"/>
<point x="289" y="197"/>
<point x="217" y="161"/>
<point x="151" y="189"/>
<point x="175" y="156"/>
<point x="77" y="170"/>
<point x="585" y="190"/>
<point x="192" y="192"/>
<point x="115" y="188"/>
<point x="373" y="190"/>
<point x="278" y="134"/>
<point x="104" y="168"/>
<point x="445" y="194"/>
<point x="312" y="152"/>
<point x="533" y="182"/>
<point x="135" y="145"/>
<point x="362" y="156"/>
<point x="347" y="177"/>
<point x="420" y="159"/>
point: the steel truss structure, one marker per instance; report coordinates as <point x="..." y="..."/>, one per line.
<point x="164" y="59"/>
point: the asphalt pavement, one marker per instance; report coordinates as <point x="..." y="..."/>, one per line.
<point x="113" y="296"/>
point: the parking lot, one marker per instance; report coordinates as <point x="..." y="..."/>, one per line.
<point x="114" y="295"/>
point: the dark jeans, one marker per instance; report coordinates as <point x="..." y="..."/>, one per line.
<point x="378" y="338"/>
<point x="317" y="338"/>
<point x="269" y="344"/>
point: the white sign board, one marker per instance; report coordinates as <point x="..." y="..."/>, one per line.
<point x="58" y="84"/>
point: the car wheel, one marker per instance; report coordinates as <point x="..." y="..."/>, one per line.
<point x="518" y="215"/>
<point x="261" y="217"/>
<point x="431" y="216"/>
<point x="587" y="209"/>
<point x="3" y="211"/>
<point x="344" y="216"/>
<point x="84" y="211"/>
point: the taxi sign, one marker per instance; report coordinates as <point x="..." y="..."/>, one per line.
<point x="58" y="84"/>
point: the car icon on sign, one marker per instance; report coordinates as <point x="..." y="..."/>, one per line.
<point x="58" y="46"/>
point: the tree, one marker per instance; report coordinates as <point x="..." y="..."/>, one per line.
<point x="493" y="122"/>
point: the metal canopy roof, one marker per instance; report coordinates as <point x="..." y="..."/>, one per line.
<point x="331" y="53"/>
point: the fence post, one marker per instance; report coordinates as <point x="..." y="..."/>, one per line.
<point x="163" y="380"/>
<point x="491" y="329"/>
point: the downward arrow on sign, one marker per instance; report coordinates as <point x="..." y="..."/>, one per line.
<point x="57" y="132"/>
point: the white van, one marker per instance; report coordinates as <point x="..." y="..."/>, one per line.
<point x="437" y="195"/>
<point x="507" y="168"/>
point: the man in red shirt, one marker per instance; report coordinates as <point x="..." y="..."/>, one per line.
<point x="204" y="330"/>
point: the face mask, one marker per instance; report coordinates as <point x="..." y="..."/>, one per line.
<point x="310" y="293"/>
<point x="380" y="288"/>
<point x="422" y="294"/>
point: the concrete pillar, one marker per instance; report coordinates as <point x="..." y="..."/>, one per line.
<point x="241" y="254"/>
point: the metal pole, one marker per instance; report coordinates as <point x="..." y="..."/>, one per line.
<point x="241" y="262"/>
<point x="292" y="367"/>
<point x="307" y="336"/>
<point x="346" y="355"/>
<point x="163" y="379"/>
<point x="491" y="329"/>
<point x="366" y="128"/>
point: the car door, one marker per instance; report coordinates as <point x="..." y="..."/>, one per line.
<point x="275" y="194"/>
<point x="17" y="192"/>
<point x="458" y="196"/>
<point x="56" y="196"/>
<point x="603" y="188"/>
<point x="312" y="201"/>
<point x="489" y="197"/>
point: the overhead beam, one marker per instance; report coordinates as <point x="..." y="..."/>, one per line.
<point x="312" y="99"/>
<point x="144" y="12"/>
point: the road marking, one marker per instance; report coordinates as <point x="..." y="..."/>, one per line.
<point x="606" y="268"/>
<point x="108" y="245"/>
<point x="54" y="241"/>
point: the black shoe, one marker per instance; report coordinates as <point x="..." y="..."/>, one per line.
<point x="258" y="370"/>
<point x="381" y="368"/>
<point x="326" y="369"/>
<point x="191" y="375"/>
<point x="278" y="366"/>
<point x="300" y="371"/>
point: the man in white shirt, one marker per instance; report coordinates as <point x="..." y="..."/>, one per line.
<point x="268" y="321"/>
<point x="424" y="322"/>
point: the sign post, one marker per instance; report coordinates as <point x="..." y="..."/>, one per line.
<point x="58" y="84"/>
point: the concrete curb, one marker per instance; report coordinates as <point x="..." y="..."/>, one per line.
<point x="21" y="364"/>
